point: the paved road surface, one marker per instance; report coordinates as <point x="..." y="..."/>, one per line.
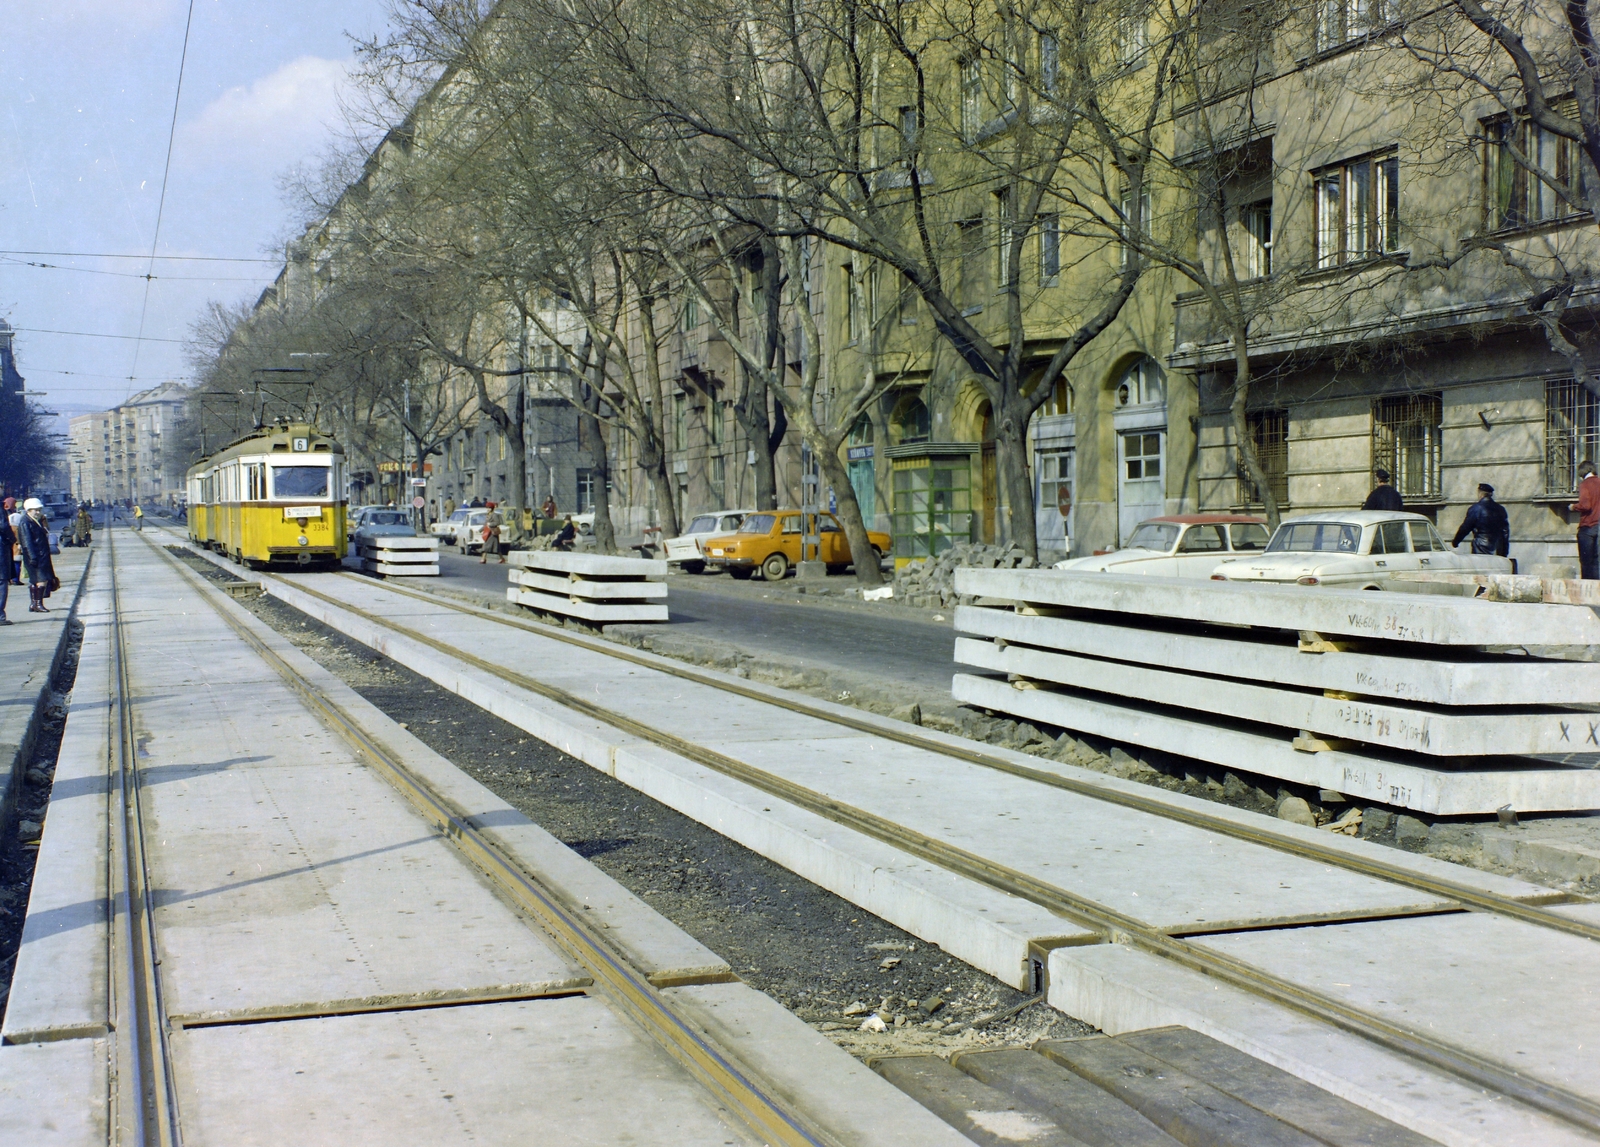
<point x="896" y="648"/>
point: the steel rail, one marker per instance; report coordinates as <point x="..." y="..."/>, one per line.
<point x="144" y="1032"/>
<point x="1529" y="911"/>
<point x="1578" y="1110"/>
<point x="638" y="999"/>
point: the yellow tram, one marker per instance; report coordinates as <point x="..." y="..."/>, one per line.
<point x="276" y="496"/>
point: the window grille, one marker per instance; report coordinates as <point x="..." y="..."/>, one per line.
<point x="1571" y="433"/>
<point x="1269" y="430"/>
<point x="1405" y="441"/>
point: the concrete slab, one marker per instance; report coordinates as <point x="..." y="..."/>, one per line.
<point x="59" y="987"/>
<point x="589" y="589"/>
<point x="598" y="612"/>
<point x="1426" y="618"/>
<point x="1273" y="656"/>
<point x="1120" y="990"/>
<point x="1440" y="791"/>
<point x="809" y="1073"/>
<point x="1521" y="996"/>
<point x="288" y="878"/>
<point x="399" y="569"/>
<point x="401" y="542"/>
<point x="54" y="1094"/>
<point x="563" y="1072"/>
<point x="1397" y="726"/>
<point x="590" y="565"/>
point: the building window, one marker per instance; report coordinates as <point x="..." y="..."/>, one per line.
<point x="717" y="478"/>
<point x="1002" y="219"/>
<point x="714" y="422"/>
<point x="680" y="421"/>
<point x="1141" y="455"/>
<point x="1256" y="222"/>
<point x="909" y="422"/>
<point x="970" y="247"/>
<point x="1135" y="216"/>
<point x="1055" y="482"/>
<point x="1533" y="175"/>
<point x="1049" y="247"/>
<point x="971" y="96"/>
<point x="852" y="306"/>
<point x="1358" y="209"/>
<point x="691" y="311"/>
<point x="1571" y="433"/>
<point x="1132" y="32"/>
<point x="1142" y="384"/>
<point x="1340" y="21"/>
<point x="1406" y="436"/>
<point x="1060" y="400"/>
<point x="908" y="133"/>
<point x="1269" y="431"/>
<point x="585" y="491"/>
<point x="1049" y="62"/>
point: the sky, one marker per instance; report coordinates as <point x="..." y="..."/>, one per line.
<point x="88" y="96"/>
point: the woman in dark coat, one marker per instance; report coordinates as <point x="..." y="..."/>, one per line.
<point x="34" y="538"/>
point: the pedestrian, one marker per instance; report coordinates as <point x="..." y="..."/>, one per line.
<point x="549" y="508"/>
<point x="1588" y="507"/>
<point x="1383" y="496"/>
<point x="565" y="538"/>
<point x="491" y="535"/>
<point x="138" y="518"/>
<point x="14" y="520"/>
<point x="8" y="546"/>
<point x="34" y="538"/>
<point x="82" y="527"/>
<point x="449" y="507"/>
<point x="1486" y="521"/>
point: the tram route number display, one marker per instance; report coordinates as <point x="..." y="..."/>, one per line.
<point x="302" y="512"/>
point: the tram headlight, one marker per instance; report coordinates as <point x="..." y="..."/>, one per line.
<point x="304" y="541"/>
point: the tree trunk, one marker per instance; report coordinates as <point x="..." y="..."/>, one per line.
<point x="849" y="514"/>
<point x="1011" y="464"/>
<point x="591" y="433"/>
<point x="1241" y="429"/>
<point x="750" y="410"/>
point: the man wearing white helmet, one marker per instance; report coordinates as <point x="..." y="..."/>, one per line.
<point x="34" y="538"/>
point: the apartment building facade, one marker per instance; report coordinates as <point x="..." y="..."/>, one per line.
<point x="123" y="454"/>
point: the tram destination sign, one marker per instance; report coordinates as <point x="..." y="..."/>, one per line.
<point x="302" y="512"/>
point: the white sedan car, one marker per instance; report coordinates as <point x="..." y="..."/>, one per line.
<point x="468" y="532"/>
<point x="1179" y="545"/>
<point x="685" y="550"/>
<point x="445" y="528"/>
<point x="1357" y="549"/>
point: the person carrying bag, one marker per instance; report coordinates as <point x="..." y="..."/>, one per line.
<point x="34" y="538"/>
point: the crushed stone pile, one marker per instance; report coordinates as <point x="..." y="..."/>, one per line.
<point x="931" y="583"/>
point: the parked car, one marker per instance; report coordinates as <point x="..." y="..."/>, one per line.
<point x="685" y="549"/>
<point x="1357" y="549"/>
<point x="1179" y="545"/>
<point x="468" y="534"/>
<point x="445" y="528"/>
<point x="382" y="523"/>
<point x="770" y="542"/>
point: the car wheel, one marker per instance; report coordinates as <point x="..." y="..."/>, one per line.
<point x="739" y="574"/>
<point x="694" y="567"/>
<point x="877" y="555"/>
<point x="775" y="568"/>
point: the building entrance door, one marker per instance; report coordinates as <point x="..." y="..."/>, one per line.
<point x="1139" y="492"/>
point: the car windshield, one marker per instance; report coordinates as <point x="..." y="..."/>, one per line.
<point x="300" y="481"/>
<point x="1157" y="536"/>
<point x="459" y="516"/>
<point x="702" y="525"/>
<point x="387" y="518"/>
<point x="1316" y="538"/>
<point x="757" y="524"/>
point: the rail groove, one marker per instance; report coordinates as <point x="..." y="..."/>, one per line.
<point x="635" y="995"/>
<point x="1115" y="926"/>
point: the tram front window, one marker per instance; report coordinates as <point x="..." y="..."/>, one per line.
<point x="299" y="481"/>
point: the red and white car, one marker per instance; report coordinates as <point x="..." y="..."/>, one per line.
<point x="687" y="549"/>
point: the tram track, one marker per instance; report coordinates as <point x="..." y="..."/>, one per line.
<point x="629" y="989"/>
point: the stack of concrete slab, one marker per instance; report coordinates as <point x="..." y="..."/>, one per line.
<point x="1432" y="703"/>
<point x="590" y="587"/>
<point x="400" y="556"/>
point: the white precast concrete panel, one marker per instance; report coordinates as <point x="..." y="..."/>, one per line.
<point x="590" y="565"/>
<point x="1518" y="995"/>
<point x="593" y="590"/>
<point x="558" y="1073"/>
<point x="1493" y="680"/>
<point x="54" y="1094"/>
<point x="1423" y="618"/>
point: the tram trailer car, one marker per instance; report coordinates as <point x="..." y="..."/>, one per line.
<point x="274" y="497"/>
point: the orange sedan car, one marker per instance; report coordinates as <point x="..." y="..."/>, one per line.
<point x="770" y="542"/>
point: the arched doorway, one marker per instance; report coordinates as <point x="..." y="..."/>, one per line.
<point x="989" y="489"/>
<point x="1139" y="417"/>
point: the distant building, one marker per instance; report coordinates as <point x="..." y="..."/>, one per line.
<point x="119" y="455"/>
<point x="10" y="380"/>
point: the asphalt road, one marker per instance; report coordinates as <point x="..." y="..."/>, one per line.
<point x="900" y="649"/>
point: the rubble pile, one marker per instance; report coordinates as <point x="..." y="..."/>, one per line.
<point x="931" y="583"/>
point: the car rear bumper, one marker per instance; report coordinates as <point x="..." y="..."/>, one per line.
<point x="731" y="563"/>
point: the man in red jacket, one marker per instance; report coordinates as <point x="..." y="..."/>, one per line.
<point x="1588" y="507"/>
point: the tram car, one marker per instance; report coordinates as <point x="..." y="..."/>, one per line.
<point x="274" y="497"/>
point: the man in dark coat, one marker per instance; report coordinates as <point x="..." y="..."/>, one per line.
<point x="1486" y="521"/>
<point x="8" y="542"/>
<point x="1383" y="496"/>
<point x="34" y="538"/>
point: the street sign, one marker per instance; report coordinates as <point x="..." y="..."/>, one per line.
<point x="1064" y="499"/>
<point x="419" y="482"/>
<point x="418" y="503"/>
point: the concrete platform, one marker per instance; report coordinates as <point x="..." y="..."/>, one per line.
<point x="1120" y="990"/>
<point x="1437" y="790"/>
<point x="1426" y="618"/>
<point x="1391" y="725"/>
<point x="54" y="1094"/>
<point x="1275" y="657"/>
<point x="59" y="986"/>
